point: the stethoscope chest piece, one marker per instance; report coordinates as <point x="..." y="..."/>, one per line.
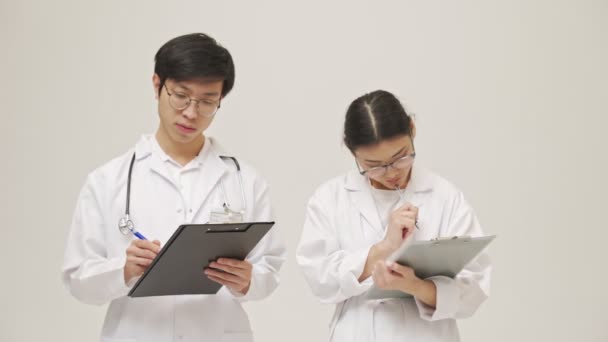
<point x="125" y="225"/>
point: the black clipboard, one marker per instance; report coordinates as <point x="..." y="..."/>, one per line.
<point x="178" y="267"/>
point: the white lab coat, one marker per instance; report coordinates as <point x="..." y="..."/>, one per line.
<point x="342" y="223"/>
<point x="95" y="253"/>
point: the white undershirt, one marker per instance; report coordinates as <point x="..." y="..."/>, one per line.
<point x="386" y="201"/>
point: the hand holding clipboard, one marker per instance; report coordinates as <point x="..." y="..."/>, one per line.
<point x="442" y="256"/>
<point x="178" y="268"/>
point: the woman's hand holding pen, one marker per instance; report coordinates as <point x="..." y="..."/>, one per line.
<point x="401" y="225"/>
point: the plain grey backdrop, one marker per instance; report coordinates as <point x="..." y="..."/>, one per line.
<point x="510" y="102"/>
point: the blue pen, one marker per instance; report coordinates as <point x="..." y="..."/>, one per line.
<point x="131" y="227"/>
<point x="139" y="236"/>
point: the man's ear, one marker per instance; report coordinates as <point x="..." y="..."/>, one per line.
<point x="156" y="85"/>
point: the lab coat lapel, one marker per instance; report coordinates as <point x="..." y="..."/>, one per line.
<point x="419" y="186"/>
<point x="157" y="166"/>
<point x="213" y="169"/>
<point x="417" y="193"/>
<point x="143" y="150"/>
<point x="361" y="197"/>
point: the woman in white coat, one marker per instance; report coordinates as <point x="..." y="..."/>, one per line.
<point x="354" y="221"/>
<point x="177" y="177"/>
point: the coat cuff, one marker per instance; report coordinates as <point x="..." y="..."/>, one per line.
<point x="350" y="270"/>
<point x="255" y="290"/>
<point x="116" y="286"/>
<point x="448" y="298"/>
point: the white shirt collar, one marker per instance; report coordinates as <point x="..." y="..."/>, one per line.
<point x="148" y="145"/>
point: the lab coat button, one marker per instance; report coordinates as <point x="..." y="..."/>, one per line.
<point x="179" y="210"/>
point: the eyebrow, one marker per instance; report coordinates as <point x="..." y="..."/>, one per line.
<point x="394" y="155"/>
<point x="179" y="85"/>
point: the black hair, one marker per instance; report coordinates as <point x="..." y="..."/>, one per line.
<point x="194" y="56"/>
<point x="375" y="117"/>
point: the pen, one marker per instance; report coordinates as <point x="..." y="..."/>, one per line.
<point x="136" y="233"/>
<point x="402" y="200"/>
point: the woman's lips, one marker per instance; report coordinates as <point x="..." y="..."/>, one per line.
<point x="394" y="180"/>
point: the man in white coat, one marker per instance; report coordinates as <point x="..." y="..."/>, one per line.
<point x="177" y="177"/>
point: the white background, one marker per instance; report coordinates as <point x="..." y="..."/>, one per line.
<point x="510" y="98"/>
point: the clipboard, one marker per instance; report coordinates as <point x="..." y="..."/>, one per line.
<point x="178" y="267"/>
<point x="441" y="256"/>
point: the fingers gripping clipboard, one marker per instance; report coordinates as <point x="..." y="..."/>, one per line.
<point x="443" y="256"/>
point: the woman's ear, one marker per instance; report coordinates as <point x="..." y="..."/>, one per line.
<point x="412" y="128"/>
<point x="156" y="84"/>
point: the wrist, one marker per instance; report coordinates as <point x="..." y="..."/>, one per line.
<point x="386" y="247"/>
<point x="417" y="287"/>
<point x="246" y="289"/>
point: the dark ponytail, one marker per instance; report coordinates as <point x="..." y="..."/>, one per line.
<point x="374" y="117"/>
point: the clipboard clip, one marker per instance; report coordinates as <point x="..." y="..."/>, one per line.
<point x="465" y="238"/>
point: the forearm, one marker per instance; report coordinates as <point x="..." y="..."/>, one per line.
<point x="334" y="278"/>
<point x="379" y="251"/>
<point x="426" y="292"/>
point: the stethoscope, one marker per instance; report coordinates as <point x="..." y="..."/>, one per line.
<point x="126" y="226"/>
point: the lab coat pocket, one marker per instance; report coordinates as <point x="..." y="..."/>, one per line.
<point x="237" y="337"/>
